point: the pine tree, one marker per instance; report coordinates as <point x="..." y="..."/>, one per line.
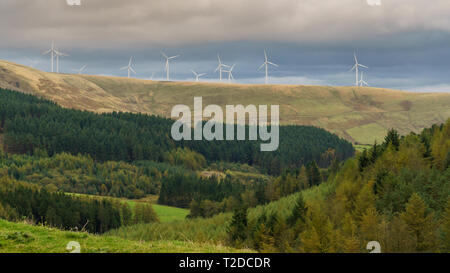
<point x="370" y="225"/>
<point x="318" y="235"/>
<point x="420" y="224"/>
<point x="298" y="215"/>
<point x="237" y="230"/>
<point x="392" y="138"/>
<point x="314" y="176"/>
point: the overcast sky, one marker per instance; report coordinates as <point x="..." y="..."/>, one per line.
<point x="405" y="43"/>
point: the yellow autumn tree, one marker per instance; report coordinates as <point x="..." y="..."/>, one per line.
<point x="421" y="225"/>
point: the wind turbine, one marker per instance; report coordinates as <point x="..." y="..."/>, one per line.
<point x="230" y="73"/>
<point x="266" y="64"/>
<point x="59" y="54"/>
<point x="197" y="76"/>
<point x="129" y="68"/>
<point x="79" y="71"/>
<point x="53" y="53"/>
<point x="220" y="67"/>
<point x="362" y="82"/>
<point x="356" y="68"/>
<point x="168" y="64"/>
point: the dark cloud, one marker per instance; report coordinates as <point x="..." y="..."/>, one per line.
<point x="405" y="42"/>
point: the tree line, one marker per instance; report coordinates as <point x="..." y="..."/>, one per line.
<point x="30" y="124"/>
<point x="20" y="201"/>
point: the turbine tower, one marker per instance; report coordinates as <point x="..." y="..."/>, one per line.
<point x="266" y="64"/>
<point x="59" y="54"/>
<point x="230" y="73"/>
<point x="79" y="71"/>
<point x="356" y="68"/>
<point x="220" y="68"/>
<point x="362" y="82"/>
<point x="129" y="68"/>
<point x="168" y="64"/>
<point x="53" y="53"/>
<point x="197" y="76"/>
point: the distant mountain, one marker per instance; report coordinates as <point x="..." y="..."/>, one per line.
<point x="361" y="115"/>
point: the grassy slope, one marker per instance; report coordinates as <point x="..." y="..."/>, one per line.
<point x="24" y="238"/>
<point x="165" y="213"/>
<point x="214" y="230"/>
<point x="358" y="114"/>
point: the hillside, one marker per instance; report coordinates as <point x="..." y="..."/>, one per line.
<point x="360" y="115"/>
<point x="24" y="238"/>
<point x="396" y="193"/>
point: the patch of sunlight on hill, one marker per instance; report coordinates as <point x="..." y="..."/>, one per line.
<point x="358" y="114"/>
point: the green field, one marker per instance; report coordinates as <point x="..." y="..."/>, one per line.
<point x="24" y="238"/>
<point x="165" y="213"/>
<point x="214" y="230"/>
<point x="170" y="214"/>
<point x="359" y="114"/>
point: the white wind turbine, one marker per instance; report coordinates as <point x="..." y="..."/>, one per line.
<point x="129" y="68"/>
<point x="266" y="64"/>
<point x="220" y="67"/>
<point x="59" y="54"/>
<point x="356" y="68"/>
<point x="230" y="73"/>
<point x="362" y="82"/>
<point x="53" y="53"/>
<point x="168" y="64"/>
<point x="79" y="71"/>
<point x="197" y="76"/>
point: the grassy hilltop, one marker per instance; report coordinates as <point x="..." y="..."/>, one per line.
<point x="360" y="115"/>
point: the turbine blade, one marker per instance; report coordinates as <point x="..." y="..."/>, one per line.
<point x="363" y="66"/>
<point x="261" y="66"/>
<point x="164" y="55"/>
<point x="273" y="64"/>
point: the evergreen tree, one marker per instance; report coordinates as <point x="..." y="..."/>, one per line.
<point x="237" y="230"/>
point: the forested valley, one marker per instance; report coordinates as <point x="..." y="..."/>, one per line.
<point x="75" y="170"/>
<point x="52" y="153"/>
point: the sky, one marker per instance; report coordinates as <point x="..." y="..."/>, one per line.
<point x="405" y="43"/>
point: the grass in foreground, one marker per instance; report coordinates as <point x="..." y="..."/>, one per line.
<point x="24" y="238"/>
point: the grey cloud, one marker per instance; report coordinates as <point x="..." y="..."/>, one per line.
<point x="117" y="23"/>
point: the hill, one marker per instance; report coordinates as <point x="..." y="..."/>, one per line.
<point x="396" y="193"/>
<point x="360" y="115"/>
<point x="24" y="238"/>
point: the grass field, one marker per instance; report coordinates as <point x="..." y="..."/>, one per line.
<point x="165" y="213"/>
<point x="214" y="230"/>
<point x="361" y="115"/>
<point x="24" y="238"/>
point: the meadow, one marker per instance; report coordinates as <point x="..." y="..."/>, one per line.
<point x="25" y="238"/>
